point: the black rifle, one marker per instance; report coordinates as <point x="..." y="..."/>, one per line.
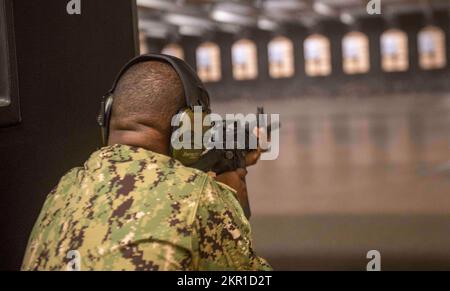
<point x="230" y="159"/>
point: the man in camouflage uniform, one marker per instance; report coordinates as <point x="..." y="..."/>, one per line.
<point x="132" y="207"/>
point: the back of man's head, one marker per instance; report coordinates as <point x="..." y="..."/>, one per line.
<point x="148" y="95"/>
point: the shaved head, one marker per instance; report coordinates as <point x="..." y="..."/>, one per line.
<point x="148" y="94"/>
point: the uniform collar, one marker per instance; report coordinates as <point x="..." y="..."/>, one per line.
<point x="124" y="153"/>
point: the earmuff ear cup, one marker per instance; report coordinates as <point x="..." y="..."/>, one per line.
<point x="192" y="149"/>
<point x="105" y="117"/>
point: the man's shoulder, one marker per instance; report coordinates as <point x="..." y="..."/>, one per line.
<point x="209" y="189"/>
<point x="178" y="180"/>
<point x="67" y="182"/>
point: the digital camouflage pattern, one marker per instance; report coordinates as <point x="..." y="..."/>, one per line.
<point x="131" y="209"/>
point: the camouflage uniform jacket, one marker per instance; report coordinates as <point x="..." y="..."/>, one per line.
<point x="132" y="209"/>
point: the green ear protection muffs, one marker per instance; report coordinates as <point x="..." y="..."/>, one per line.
<point x="195" y="95"/>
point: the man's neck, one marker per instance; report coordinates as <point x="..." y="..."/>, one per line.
<point x="150" y="140"/>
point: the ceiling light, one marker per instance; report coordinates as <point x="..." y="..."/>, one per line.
<point x="267" y="24"/>
<point x="191" y="31"/>
<point x="183" y="19"/>
<point x="283" y="5"/>
<point x="154" y="29"/>
<point x="347" y="18"/>
<point x="230" y="28"/>
<point x="157" y="4"/>
<point x="230" y="17"/>
<point x="323" y="9"/>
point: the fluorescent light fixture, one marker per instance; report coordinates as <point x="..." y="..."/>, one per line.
<point x="235" y="7"/>
<point x="283" y="5"/>
<point x="191" y="31"/>
<point x="230" y="17"/>
<point x="230" y="28"/>
<point x="183" y="19"/>
<point x="267" y="24"/>
<point x="223" y="16"/>
<point x="323" y="9"/>
<point x="157" y="4"/>
<point x="347" y="18"/>
<point x="156" y="33"/>
<point x="154" y="29"/>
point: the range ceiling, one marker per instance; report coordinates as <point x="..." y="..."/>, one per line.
<point x="163" y="18"/>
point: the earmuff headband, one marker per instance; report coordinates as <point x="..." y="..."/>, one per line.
<point x="195" y="92"/>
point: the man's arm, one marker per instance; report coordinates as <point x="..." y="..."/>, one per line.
<point x="221" y="238"/>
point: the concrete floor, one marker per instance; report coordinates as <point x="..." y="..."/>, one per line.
<point x="354" y="175"/>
